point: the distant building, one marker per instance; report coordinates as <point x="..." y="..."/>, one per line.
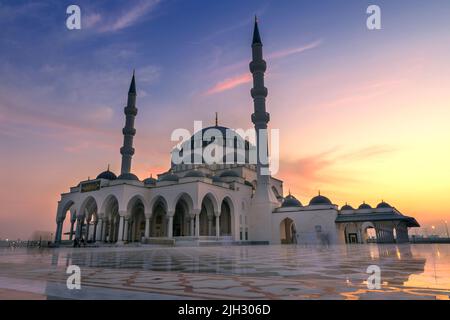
<point x="44" y="236"/>
<point x="219" y="202"/>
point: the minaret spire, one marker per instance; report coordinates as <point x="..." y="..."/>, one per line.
<point x="260" y="117"/>
<point x="129" y="131"/>
<point x="132" y="89"/>
<point x="256" y="36"/>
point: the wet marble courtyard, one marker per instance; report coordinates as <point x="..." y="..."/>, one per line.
<point x="228" y="272"/>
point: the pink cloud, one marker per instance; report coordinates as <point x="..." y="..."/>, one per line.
<point x="131" y="16"/>
<point x="230" y="83"/>
<point x="289" y="52"/>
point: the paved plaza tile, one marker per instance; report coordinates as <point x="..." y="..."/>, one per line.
<point x="228" y="272"/>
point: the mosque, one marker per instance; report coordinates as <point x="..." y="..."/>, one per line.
<point x="202" y="203"/>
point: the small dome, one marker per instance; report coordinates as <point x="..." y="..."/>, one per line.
<point x="194" y="173"/>
<point x="128" y="176"/>
<point x="108" y="175"/>
<point x="383" y="205"/>
<point x="320" y="200"/>
<point x="290" y="201"/>
<point x="217" y="179"/>
<point x="347" y="207"/>
<point x="169" y="177"/>
<point x="150" y="180"/>
<point x="364" y="206"/>
<point x="229" y="173"/>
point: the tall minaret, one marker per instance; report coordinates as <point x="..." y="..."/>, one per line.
<point x="260" y="117"/>
<point x="264" y="201"/>
<point x="129" y="131"/>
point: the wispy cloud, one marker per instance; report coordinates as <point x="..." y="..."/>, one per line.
<point x="230" y="83"/>
<point x="233" y="82"/>
<point x="125" y="19"/>
<point x="288" y="52"/>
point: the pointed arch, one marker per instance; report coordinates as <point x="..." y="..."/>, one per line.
<point x="88" y="206"/>
<point x="108" y="204"/>
<point x="158" y="200"/>
<point x="213" y="200"/>
<point x="184" y="196"/>
<point x="159" y="210"/>
<point x="137" y="200"/>
<point x="227" y="217"/>
<point x="288" y="231"/>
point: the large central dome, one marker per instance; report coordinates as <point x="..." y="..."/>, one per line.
<point x="235" y="148"/>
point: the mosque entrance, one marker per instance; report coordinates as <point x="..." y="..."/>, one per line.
<point x="158" y="228"/>
<point x="181" y="218"/>
<point x="225" y="219"/>
<point x="178" y="224"/>
<point x="352" y="238"/>
<point x="288" y="232"/>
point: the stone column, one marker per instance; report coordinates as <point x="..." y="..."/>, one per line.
<point x="78" y="229"/>
<point x="88" y="224"/>
<point x="58" y="232"/>
<point x="197" y="225"/>
<point x="125" y="230"/>
<point x="103" y="230"/>
<point x="191" y="223"/>
<point x="217" y="226"/>
<point x="210" y="219"/>
<point x="72" y="223"/>
<point x="98" y="230"/>
<point x="402" y="233"/>
<point x="121" y="225"/>
<point x="147" y="227"/>
<point x="170" y="227"/>
<point x="94" y="236"/>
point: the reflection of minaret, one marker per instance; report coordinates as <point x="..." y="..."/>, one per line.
<point x="129" y="131"/>
<point x="264" y="201"/>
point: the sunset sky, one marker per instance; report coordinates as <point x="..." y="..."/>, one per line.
<point x="363" y="115"/>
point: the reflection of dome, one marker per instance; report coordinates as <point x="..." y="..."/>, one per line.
<point x="194" y="173"/>
<point x="169" y="177"/>
<point x="108" y="175"/>
<point x="229" y="173"/>
<point x="229" y="138"/>
<point x="128" y="176"/>
<point x="364" y="206"/>
<point x="150" y="180"/>
<point x="383" y="205"/>
<point x="319" y="200"/>
<point x="291" y="201"/>
<point x="347" y="207"/>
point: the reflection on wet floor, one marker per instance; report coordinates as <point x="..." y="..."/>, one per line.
<point x="241" y="272"/>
